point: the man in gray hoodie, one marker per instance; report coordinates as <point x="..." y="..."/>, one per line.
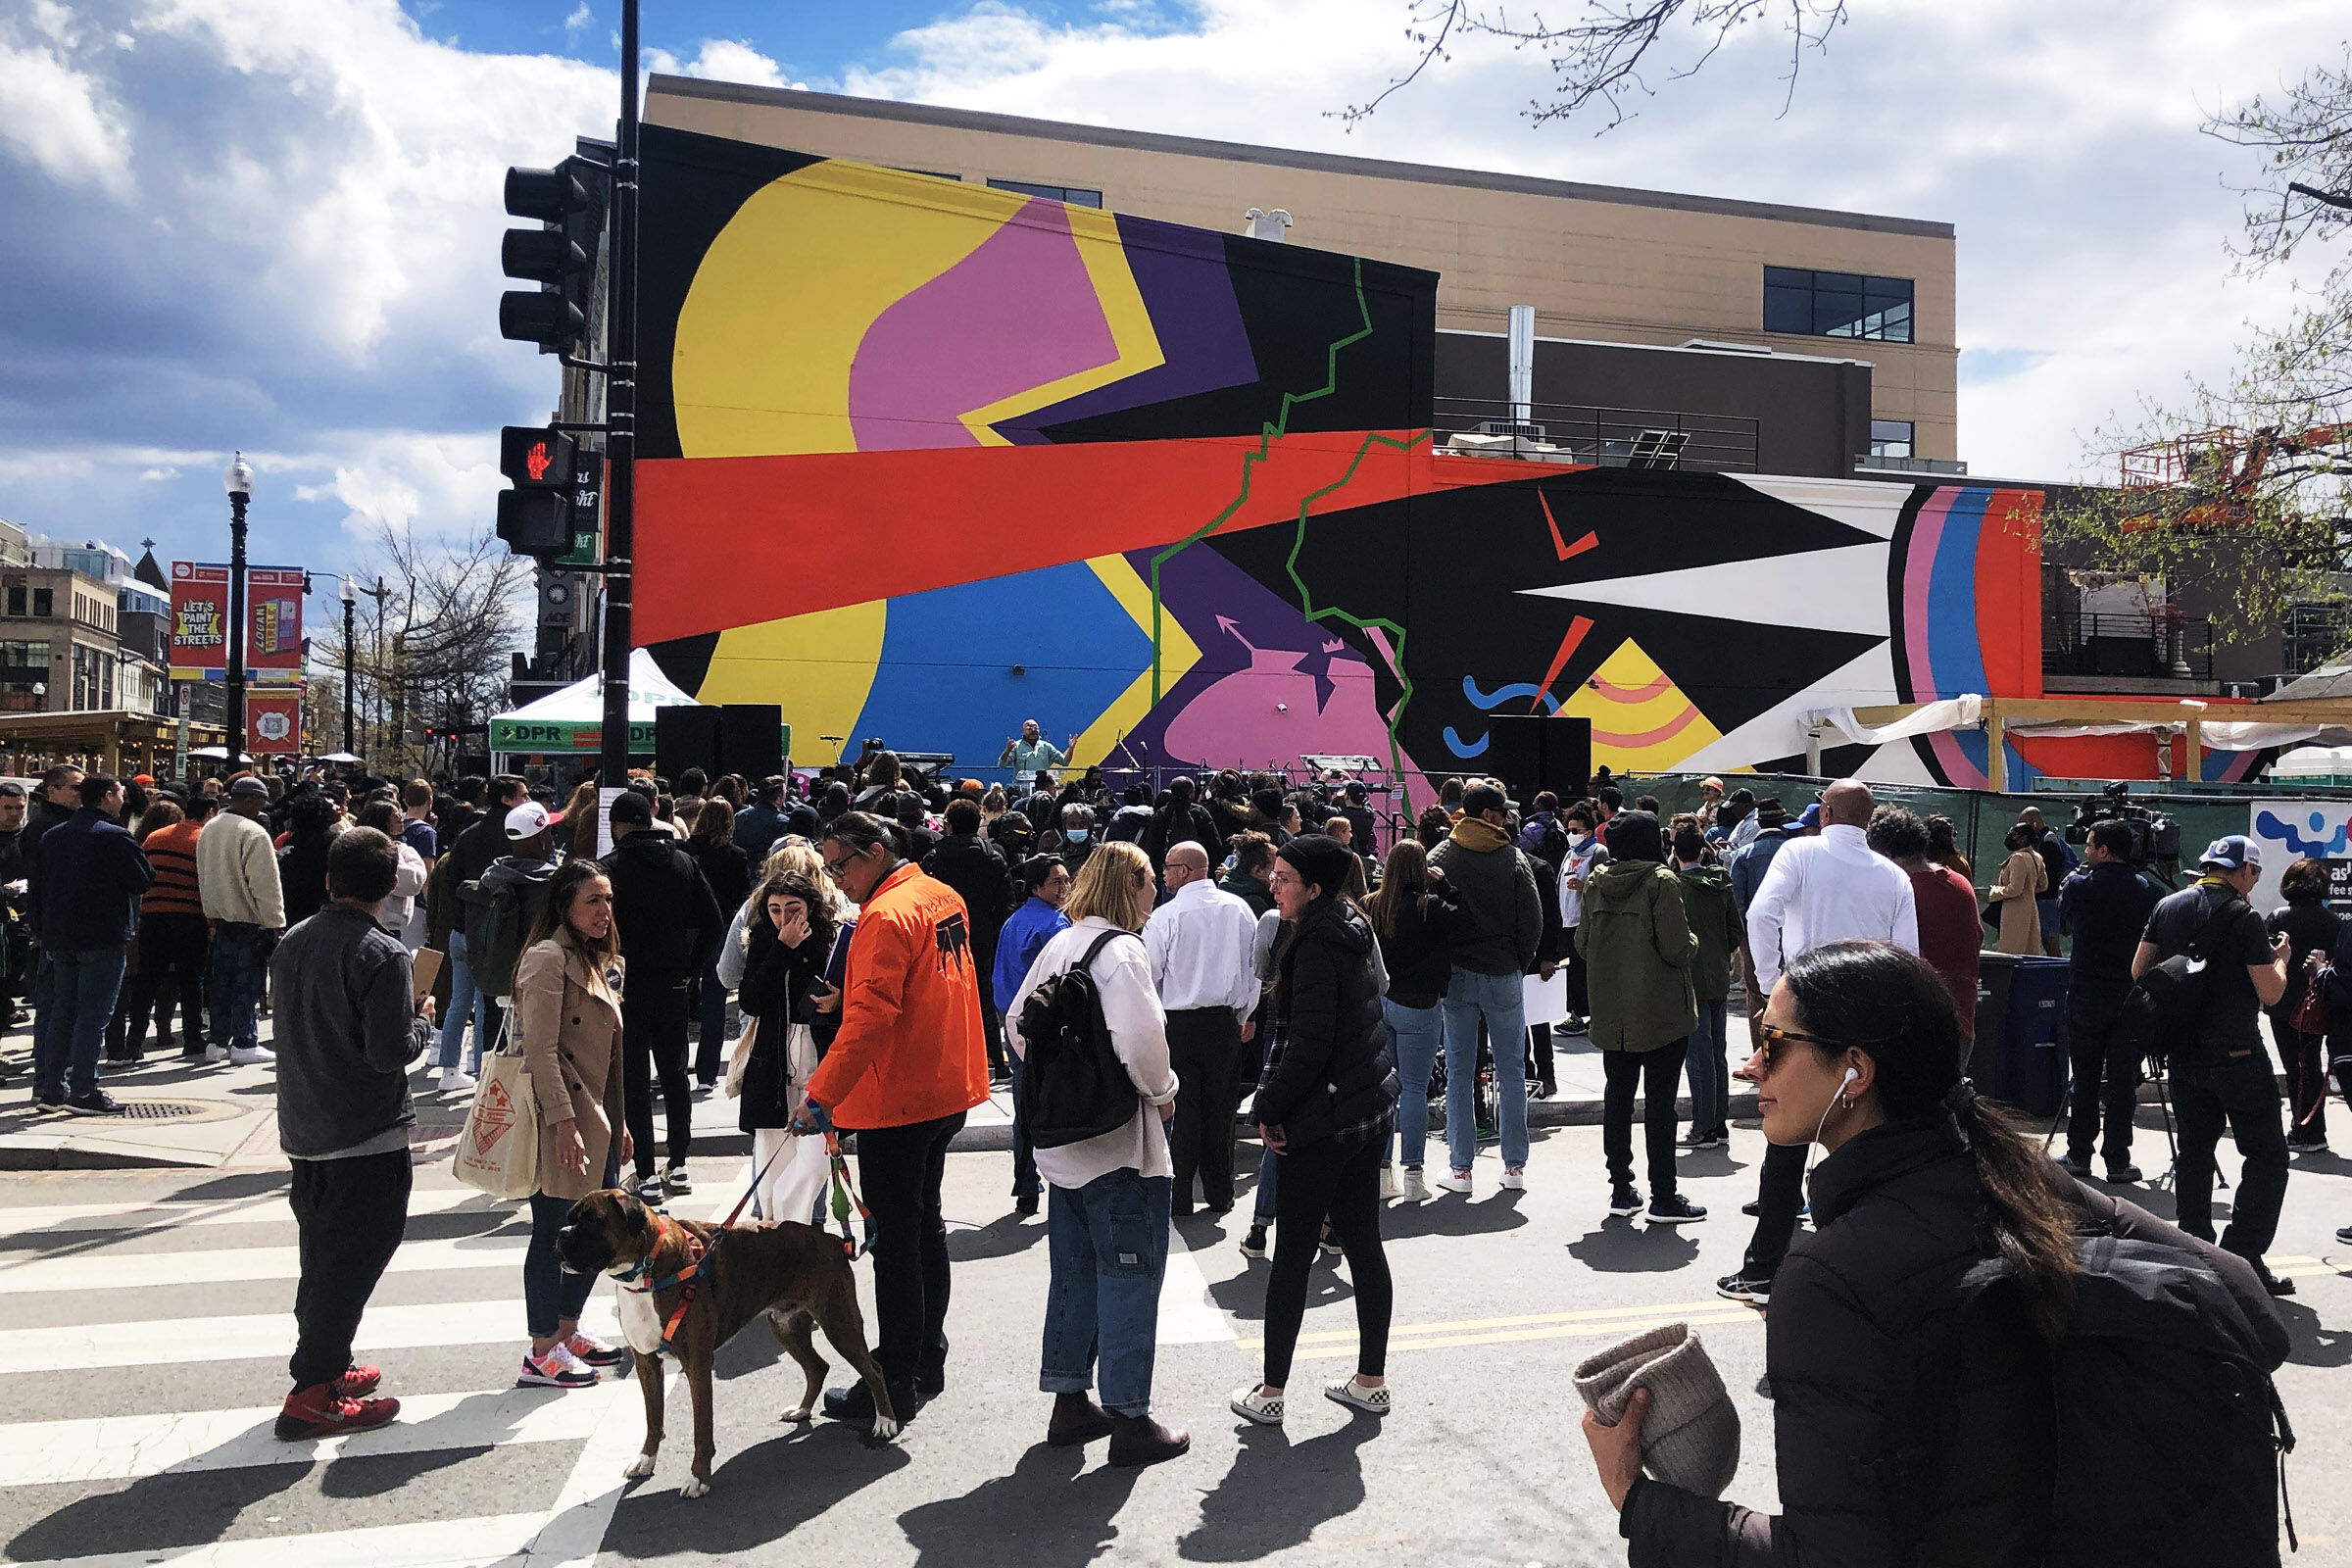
<point x="1494" y="946"/>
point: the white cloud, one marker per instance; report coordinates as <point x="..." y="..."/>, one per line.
<point x="721" y="60"/>
<point x="61" y="119"/>
<point x="580" y="19"/>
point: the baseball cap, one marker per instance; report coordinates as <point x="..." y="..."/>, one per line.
<point x="248" y="785"/>
<point x="528" y="820"/>
<point x="1810" y="816"/>
<point x="2233" y="852"/>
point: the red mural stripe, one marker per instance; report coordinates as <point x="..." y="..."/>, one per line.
<point x="1559" y="661"/>
<point x="1634" y="694"/>
<point x="1649" y="737"/>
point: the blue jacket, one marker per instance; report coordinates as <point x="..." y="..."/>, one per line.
<point x="85" y="894"/>
<point x="1026" y="932"/>
<point x="1748" y="867"/>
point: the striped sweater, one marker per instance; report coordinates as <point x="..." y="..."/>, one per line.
<point x="172" y="850"/>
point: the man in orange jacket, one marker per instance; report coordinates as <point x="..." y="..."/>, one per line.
<point x="909" y="1060"/>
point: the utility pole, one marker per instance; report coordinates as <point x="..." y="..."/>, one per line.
<point x="379" y="593"/>
<point x="620" y="405"/>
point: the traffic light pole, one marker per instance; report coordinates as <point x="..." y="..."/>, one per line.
<point x="621" y="406"/>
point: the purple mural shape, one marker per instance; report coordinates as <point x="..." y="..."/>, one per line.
<point x="1188" y="292"/>
<point x="1017" y="312"/>
<point x="1268" y="684"/>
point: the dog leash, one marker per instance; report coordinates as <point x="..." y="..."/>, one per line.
<point x="846" y="1196"/>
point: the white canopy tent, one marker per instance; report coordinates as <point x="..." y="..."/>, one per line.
<point x="573" y="720"/>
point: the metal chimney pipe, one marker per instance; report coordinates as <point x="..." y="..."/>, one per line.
<point x="1523" y="364"/>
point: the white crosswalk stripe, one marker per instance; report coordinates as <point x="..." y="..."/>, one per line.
<point x="81" y="1346"/>
<point x="102" y="1271"/>
<point x="178" y="1213"/>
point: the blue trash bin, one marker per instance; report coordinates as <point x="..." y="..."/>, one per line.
<point x="2019" y="1058"/>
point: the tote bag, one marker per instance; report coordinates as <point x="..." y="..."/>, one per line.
<point x="499" y="1152"/>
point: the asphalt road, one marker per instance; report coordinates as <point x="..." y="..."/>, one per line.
<point x="141" y="1349"/>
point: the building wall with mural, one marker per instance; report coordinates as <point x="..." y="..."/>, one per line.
<point x="921" y="460"/>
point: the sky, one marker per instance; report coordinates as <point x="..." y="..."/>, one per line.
<point x="273" y="225"/>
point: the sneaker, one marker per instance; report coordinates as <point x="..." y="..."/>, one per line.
<point x="320" y="1412"/>
<point x="633" y="1182"/>
<point x="1253" y="1244"/>
<point x="675" y="1182"/>
<point x="215" y="1053"/>
<point x="251" y="1055"/>
<point x="1674" y="1210"/>
<point x="1695" y="1139"/>
<point x="456" y="1081"/>
<point x="1388" y="1183"/>
<point x="1754" y="1206"/>
<point x="2122" y="1175"/>
<point x="1624" y="1202"/>
<point x="1412" y="1188"/>
<point x="2306" y="1146"/>
<point x="2344" y="1235"/>
<point x="1514" y="1179"/>
<point x="1756" y="1288"/>
<point x="590" y="1350"/>
<point x="1357" y="1397"/>
<point x="1575" y="1026"/>
<point x="1455" y="1181"/>
<point x="558" y="1368"/>
<point x="1329" y="1243"/>
<point x="1252" y="1405"/>
<point x="2075" y="1164"/>
<point x="49" y="1104"/>
<point x="97" y="1102"/>
<point x="359" y="1383"/>
<point x="2275" y="1284"/>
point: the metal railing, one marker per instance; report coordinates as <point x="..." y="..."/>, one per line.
<point x="2156" y="646"/>
<point x="1612" y="438"/>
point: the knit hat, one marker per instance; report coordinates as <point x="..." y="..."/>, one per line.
<point x="1320" y="860"/>
<point x="1690" y="1437"/>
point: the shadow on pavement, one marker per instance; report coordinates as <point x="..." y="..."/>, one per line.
<point x="1277" y="1493"/>
<point x="2314" y="1343"/>
<point x="1051" y="1511"/>
<point x="1003" y="1237"/>
<point x="161" y="1513"/>
<point x="1622" y="1247"/>
<point x="758" y="1497"/>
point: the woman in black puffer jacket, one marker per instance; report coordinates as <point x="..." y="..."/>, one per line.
<point x="788" y="936"/>
<point x="1324" y="1106"/>
<point x="1921" y="1182"/>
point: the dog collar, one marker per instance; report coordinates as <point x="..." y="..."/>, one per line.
<point x="645" y="1265"/>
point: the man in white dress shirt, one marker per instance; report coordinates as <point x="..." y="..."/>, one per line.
<point x="1199" y="946"/>
<point x="1834" y="888"/>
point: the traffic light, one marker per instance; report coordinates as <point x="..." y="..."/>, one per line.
<point x="534" y="518"/>
<point x="559" y="255"/>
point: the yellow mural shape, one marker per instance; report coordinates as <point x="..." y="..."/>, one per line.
<point x="818" y="667"/>
<point x="1641" y="723"/>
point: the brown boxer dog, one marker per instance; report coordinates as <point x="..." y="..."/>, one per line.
<point x="795" y="1276"/>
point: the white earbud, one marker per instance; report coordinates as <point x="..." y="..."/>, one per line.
<point x="1852" y="1073"/>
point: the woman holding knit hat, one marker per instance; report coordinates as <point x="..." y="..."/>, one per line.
<point x="1919" y="1183"/>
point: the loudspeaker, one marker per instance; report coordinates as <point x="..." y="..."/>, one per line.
<point x="684" y="738"/>
<point x="751" y="740"/>
<point x="1533" y="753"/>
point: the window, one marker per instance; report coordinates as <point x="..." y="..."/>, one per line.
<point x="1069" y="194"/>
<point x="1808" y="303"/>
<point x="15" y="598"/>
<point x="1890" y="438"/>
<point x="932" y="174"/>
<point x="42" y="606"/>
<point x="23" y="656"/>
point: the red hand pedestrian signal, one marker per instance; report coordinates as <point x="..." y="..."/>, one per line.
<point x="537" y="460"/>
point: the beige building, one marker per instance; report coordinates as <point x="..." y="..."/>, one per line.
<point x="1597" y="262"/>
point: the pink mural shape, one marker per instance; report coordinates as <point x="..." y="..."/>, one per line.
<point x="1019" y="312"/>
<point x="1281" y="703"/>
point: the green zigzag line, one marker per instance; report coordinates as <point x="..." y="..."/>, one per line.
<point x="1269" y="433"/>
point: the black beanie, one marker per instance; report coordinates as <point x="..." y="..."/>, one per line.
<point x="1320" y="860"/>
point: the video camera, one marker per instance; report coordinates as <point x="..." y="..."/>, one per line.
<point x="2155" y="837"/>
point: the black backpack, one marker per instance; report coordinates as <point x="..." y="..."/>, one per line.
<point x="498" y="920"/>
<point x="2167" y="1004"/>
<point x="1073" y="1085"/>
<point x="2171" y="1440"/>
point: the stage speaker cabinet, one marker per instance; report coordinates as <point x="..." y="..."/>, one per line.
<point x="751" y="740"/>
<point x="686" y="737"/>
<point x="1533" y="753"/>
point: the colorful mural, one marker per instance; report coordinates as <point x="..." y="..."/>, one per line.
<point x="920" y="461"/>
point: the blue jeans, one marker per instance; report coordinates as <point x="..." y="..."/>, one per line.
<point x="80" y="999"/>
<point x="550" y="1295"/>
<point x="1420" y="1033"/>
<point x="233" y="993"/>
<point x="1710" y="1071"/>
<point x="1503" y="1002"/>
<point x="1108" y="1243"/>
<point x="466" y="1002"/>
<point x="1261" y="1202"/>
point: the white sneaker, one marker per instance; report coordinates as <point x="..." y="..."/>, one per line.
<point x="558" y="1368"/>
<point x="215" y="1053"/>
<point x="251" y="1056"/>
<point x="1455" y="1181"/>
<point x="454" y="1082"/>
<point x="1355" y="1395"/>
<point x="1414" y="1189"/>
<point x="1514" y="1180"/>
<point x="1252" y="1406"/>
<point x="1388" y="1184"/>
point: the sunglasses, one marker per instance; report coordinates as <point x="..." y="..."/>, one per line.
<point x="1769" y="1036"/>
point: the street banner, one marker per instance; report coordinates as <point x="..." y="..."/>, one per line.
<point x="274" y="723"/>
<point x="200" y="623"/>
<point x="2287" y="831"/>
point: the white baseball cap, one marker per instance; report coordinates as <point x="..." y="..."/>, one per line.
<point x="528" y="820"/>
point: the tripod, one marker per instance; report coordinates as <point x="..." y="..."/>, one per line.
<point x="2164" y="1105"/>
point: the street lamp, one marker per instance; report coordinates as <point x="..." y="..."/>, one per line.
<point x="237" y="480"/>
<point x="351" y="608"/>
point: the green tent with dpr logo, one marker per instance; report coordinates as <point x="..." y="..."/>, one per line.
<point x="573" y="720"/>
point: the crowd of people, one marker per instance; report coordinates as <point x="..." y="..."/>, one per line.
<point x="896" y="947"/>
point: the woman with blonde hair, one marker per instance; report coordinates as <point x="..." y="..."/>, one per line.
<point x="1106" y="1218"/>
<point x="579" y="817"/>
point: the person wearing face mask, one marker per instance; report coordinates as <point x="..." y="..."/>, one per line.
<point x="1584" y="855"/>
<point x="1077" y="837"/>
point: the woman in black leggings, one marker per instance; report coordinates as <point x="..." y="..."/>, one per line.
<point x="1324" y="1106"/>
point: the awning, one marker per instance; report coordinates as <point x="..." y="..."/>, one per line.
<point x="573" y="720"/>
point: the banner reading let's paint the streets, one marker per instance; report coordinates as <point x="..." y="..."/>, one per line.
<point x="200" y="623"/>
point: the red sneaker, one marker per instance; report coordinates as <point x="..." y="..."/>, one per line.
<point x="319" y="1411"/>
<point x="359" y="1383"/>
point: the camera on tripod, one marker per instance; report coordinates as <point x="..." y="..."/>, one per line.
<point x="2155" y="837"/>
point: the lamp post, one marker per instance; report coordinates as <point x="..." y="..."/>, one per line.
<point x="351" y="610"/>
<point x="238" y="479"/>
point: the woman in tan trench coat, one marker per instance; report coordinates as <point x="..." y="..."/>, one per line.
<point x="567" y="1015"/>
<point x="2024" y="878"/>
